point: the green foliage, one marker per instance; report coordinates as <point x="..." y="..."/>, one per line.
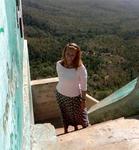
<point x="107" y="32"/>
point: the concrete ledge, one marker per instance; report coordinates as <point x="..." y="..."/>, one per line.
<point x="27" y="101"/>
<point x="90" y="101"/>
<point x="115" y="106"/>
<point x="43" y="137"/>
<point x="44" y="81"/>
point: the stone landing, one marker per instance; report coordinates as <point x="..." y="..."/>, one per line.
<point x="120" y="134"/>
<point x="43" y="137"/>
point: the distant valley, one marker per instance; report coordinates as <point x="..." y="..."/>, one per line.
<point x="106" y="30"/>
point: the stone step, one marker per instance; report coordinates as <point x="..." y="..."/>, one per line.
<point x="43" y="137"/>
<point x="119" y="134"/>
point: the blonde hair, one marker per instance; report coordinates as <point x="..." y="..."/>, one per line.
<point x="77" y="60"/>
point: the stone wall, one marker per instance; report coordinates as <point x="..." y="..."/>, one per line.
<point x="44" y="101"/>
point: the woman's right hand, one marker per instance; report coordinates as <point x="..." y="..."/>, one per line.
<point x="83" y="104"/>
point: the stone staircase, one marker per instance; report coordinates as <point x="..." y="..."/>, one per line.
<point x="114" y="134"/>
<point x="119" y="134"/>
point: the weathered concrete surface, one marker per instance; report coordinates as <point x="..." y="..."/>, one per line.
<point x="43" y="137"/>
<point x="123" y="102"/>
<point x="28" y="118"/>
<point x="120" y="134"/>
<point x="44" y="100"/>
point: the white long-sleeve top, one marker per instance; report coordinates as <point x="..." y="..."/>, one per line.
<point x="71" y="81"/>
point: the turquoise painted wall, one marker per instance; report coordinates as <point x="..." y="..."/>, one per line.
<point x="11" y="76"/>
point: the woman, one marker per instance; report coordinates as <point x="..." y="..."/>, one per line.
<point x="71" y="88"/>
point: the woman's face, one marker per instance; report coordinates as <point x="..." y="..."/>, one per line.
<point x="70" y="55"/>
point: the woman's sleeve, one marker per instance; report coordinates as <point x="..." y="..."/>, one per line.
<point x="83" y="78"/>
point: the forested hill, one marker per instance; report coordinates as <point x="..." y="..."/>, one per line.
<point x="106" y="30"/>
<point x="85" y="15"/>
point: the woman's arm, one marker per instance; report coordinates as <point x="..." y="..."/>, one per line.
<point x="83" y="81"/>
<point x="83" y="95"/>
<point x="83" y="85"/>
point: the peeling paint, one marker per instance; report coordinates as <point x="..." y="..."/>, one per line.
<point x="5" y="117"/>
<point x="1" y="30"/>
